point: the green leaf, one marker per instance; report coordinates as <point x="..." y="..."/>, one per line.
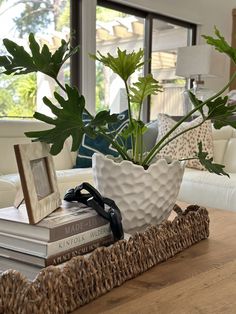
<point x="4" y="61"/>
<point x="77" y="138"/>
<point x="128" y="131"/>
<point x="196" y="102"/>
<point x="220" y="113"/>
<point x="221" y="44"/>
<point x="90" y="131"/>
<point x="21" y="62"/>
<point x="132" y="128"/>
<point x="143" y="88"/>
<point x="67" y="122"/>
<point x="104" y="117"/>
<point x="125" y="64"/>
<point x="35" y="49"/>
<point x="44" y="118"/>
<point x="60" y="52"/>
<point x="208" y="163"/>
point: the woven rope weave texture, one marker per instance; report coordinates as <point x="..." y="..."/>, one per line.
<point x="64" y="289"/>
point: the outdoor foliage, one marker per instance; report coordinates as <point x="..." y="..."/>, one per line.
<point x="18" y="95"/>
<point x="28" y="16"/>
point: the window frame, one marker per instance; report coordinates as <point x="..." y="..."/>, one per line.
<point x="79" y="21"/>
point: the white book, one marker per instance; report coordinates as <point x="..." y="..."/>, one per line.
<point x="46" y="249"/>
<point x="69" y="219"/>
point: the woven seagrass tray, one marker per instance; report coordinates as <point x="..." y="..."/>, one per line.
<point x="64" y="289"/>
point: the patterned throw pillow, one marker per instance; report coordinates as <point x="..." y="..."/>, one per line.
<point x="99" y="144"/>
<point x="186" y="144"/>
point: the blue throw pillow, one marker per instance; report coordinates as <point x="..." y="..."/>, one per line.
<point x="90" y="146"/>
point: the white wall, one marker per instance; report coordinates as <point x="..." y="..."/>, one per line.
<point x="205" y="13"/>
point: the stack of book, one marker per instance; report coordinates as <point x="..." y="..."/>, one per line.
<point x="71" y="230"/>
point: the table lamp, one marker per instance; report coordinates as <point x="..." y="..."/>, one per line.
<point x="198" y="62"/>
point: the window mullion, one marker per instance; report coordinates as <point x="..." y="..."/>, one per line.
<point x="147" y="65"/>
<point x="88" y="46"/>
<point x="75" y="39"/>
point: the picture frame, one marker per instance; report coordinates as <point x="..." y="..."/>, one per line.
<point x="38" y="180"/>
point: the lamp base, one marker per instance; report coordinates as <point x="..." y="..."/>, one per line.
<point x="201" y="93"/>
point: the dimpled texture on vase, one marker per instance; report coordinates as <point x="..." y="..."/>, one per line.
<point x="144" y="196"/>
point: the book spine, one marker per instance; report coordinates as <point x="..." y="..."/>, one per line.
<point x="78" y="239"/>
<point x="79" y="250"/>
<point x="77" y="226"/>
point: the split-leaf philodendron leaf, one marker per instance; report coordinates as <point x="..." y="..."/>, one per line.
<point x="68" y="121"/>
<point x="221" y="44"/>
<point x="19" y="61"/>
<point x="145" y="87"/>
<point x="208" y="163"/>
<point x="125" y="64"/>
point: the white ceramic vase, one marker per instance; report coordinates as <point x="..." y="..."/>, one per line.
<point x="143" y="196"/>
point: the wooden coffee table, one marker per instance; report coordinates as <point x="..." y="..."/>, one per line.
<point x="201" y="279"/>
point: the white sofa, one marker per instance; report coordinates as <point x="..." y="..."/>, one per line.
<point x="199" y="187"/>
<point x="208" y="189"/>
<point x="12" y="132"/>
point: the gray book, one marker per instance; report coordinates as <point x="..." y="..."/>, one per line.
<point x="68" y="220"/>
<point x="47" y="249"/>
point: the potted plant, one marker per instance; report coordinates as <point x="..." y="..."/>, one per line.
<point x="144" y="187"/>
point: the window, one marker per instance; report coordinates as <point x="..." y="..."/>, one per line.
<point x="128" y="28"/>
<point x="95" y="25"/>
<point x="166" y="38"/>
<point x="115" y="29"/>
<point x="49" y="21"/>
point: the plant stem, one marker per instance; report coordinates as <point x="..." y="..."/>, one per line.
<point x="140" y="106"/>
<point x="141" y="148"/>
<point x="130" y="117"/>
<point x="155" y="149"/>
<point x="138" y="139"/>
<point x="119" y="149"/>
<point x="137" y="143"/>
<point x="61" y="86"/>
<point x="190" y="158"/>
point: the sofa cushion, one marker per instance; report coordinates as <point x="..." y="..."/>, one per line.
<point x="220" y="142"/>
<point x="185" y="145"/>
<point x="70" y="178"/>
<point x="229" y="157"/>
<point x="8" y="192"/>
<point x="150" y="136"/>
<point x="90" y="146"/>
<point x="208" y="189"/>
<point x="12" y="132"/>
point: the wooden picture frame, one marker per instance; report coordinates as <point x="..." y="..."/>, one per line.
<point x="38" y="180"/>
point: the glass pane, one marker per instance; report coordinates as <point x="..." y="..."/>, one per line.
<point x="21" y="95"/>
<point x="115" y="29"/>
<point x="166" y="38"/>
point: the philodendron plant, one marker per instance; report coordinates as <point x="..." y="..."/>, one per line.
<point x="68" y="111"/>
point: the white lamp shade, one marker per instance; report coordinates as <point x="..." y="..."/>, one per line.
<point x="198" y="60"/>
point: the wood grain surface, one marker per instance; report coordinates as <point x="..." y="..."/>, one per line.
<point x="201" y="279"/>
